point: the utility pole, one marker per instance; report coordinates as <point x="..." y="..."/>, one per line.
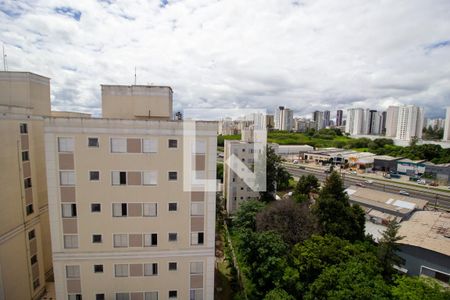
<point x="4" y="59"/>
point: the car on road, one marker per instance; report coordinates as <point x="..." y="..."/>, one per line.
<point x="360" y="184"/>
<point x="404" y="193"/>
<point x="421" y="181"/>
<point x="302" y="167"/>
<point x="369" y="181"/>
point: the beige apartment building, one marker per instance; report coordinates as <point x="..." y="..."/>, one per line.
<point x="25" y="253"/>
<point x="124" y="224"/>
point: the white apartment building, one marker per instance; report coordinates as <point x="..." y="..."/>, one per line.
<point x="284" y="118"/>
<point x="355" y="121"/>
<point x="410" y="122"/>
<point x="446" y="136"/>
<point x="391" y="121"/>
<point x="122" y="222"/>
<point x="235" y="189"/>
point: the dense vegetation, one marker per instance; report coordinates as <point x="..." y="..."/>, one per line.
<point x="334" y="138"/>
<point x="293" y="249"/>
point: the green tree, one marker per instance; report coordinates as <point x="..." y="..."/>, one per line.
<point x="308" y="260"/>
<point x="264" y="255"/>
<point x="276" y="174"/>
<point x="219" y="172"/>
<point x="292" y="221"/>
<point x="306" y="185"/>
<point x="283" y="177"/>
<point x="357" y="278"/>
<point x="246" y="215"/>
<point x="387" y="249"/>
<point x="418" y="288"/>
<point x="334" y="213"/>
<point x="278" y="294"/>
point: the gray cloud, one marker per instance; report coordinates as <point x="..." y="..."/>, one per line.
<point x="306" y="55"/>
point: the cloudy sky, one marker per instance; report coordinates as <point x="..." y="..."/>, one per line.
<point x="307" y="55"/>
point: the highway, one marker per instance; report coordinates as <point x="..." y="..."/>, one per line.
<point x="441" y="200"/>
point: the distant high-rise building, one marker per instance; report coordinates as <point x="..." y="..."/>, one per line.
<point x="410" y="122"/>
<point x="435" y="124"/>
<point x="326" y="118"/>
<point x="383" y="122"/>
<point x="318" y="117"/>
<point x="373" y="122"/>
<point x="339" y="114"/>
<point x="284" y="118"/>
<point x="446" y="136"/>
<point x="391" y="121"/>
<point x="355" y="121"/>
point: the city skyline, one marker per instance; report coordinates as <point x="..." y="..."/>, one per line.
<point x="335" y="55"/>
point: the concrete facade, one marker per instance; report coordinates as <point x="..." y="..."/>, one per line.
<point x="123" y="226"/>
<point x="25" y="254"/>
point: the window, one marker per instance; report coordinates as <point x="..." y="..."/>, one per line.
<point x="27" y="182"/>
<point x="31" y="235"/>
<point x="121" y="270"/>
<point x="118" y="145"/>
<point x="120" y="210"/>
<point x="69" y="210"/>
<point x="98" y="268"/>
<point x="66" y="144"/>
<point x="94" y="175"/>
<point x="93" y="142"/>
<point x="23" y="128"/>
<point x="173" y="294"/>
<point x="197" y="209"/>
<point x="173" y="175"/>
<point x="36" y="284"/>
<point x="122" y="296"/>
<point x="196" y="268"/>
<point x="196" y="294"/>
<point x="74" y="297"/>
<point x="150" y="146"/>
<point x="96" y="238"/>
<point x="151" y="296"/>
<point x="173" y="236"/>
<point x="151" y="269"/>
<point x="67" y="177"/>
<point x="120" y="240"/>
<point x="72" y="271"/>
<point x="197" y="238"/>
<point x="150" y="240"/>
<point x="173" y="206"/>
<point x="29" y="209"/>
<point x="99" y="296"/>
<point x="150" y="209"/>
<point x="150" y="177"/>
<point x="70" y="241"/>
<point x="33" y="259"/>
<point x="172" y="266"/>
<point x="119" y="178"/>
<point x="25" y="156"/>
<point x="173" y="143"/>
<point x="96" y="207"/>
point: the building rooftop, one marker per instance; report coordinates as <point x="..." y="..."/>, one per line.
<point x="386" y="157"/>
<point x="407" y="160"/>
<point x="386" y="202"/>
<point x="427" y="229"/>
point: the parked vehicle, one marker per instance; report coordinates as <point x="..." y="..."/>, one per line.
<point x="421" y="181"/>
<point x="360" y="184"/>
<point x="395" y="175"/>
<point x="302" y="167"/>
<point x="434" y="184"/>
<point x="369" y="181"/>
<point x="404" y="193"/>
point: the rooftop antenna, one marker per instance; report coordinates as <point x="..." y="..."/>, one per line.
<point x="5" y="66"/>
<point x="135" y="75"/>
